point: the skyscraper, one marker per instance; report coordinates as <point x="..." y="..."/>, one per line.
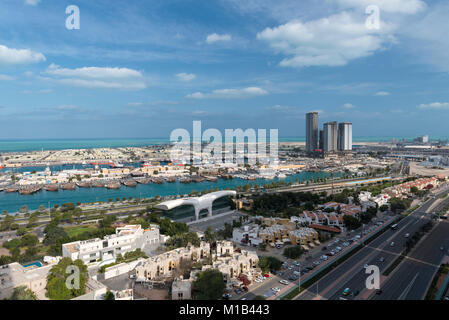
<point x="330" y="137"/>
<point x="345" y="136"/>
<point x="311" y="131"/>
<point x="321" y="143"/>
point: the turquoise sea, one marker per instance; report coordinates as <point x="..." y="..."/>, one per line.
<point x="60" y="144"/>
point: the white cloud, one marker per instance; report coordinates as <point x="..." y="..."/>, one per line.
<point x="68" y="108"/>
<point x="382" y="93"/>
<point x="32" y="2"/>
<point x="4" y="77"/>
<point x="390" y="6"/>
<point x="230" y="93"/>
<point x="19" y="56"/>
<point x="126" y="85"/>
<point x="332" y="41"/>
<point x="349" y="106"/>
<point x="98" y="77"/>
<point x="435" y="105"/>
<point x="214" y="37"/>
<point x="93" y="72"/>
<point x="185" y="76"/>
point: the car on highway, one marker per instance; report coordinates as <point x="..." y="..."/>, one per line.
<point x="381" y="259"/>
<point x="266" y="275"/>
<point x="392" y="244"/>
<point x="379" y="292"/>
<point x="347" y="292"/>
<point x="407" y="235"/>
<point x="285" y="282"/>
<point x="323" y="257"/>
<point x="442" y="248"/>
<point x="227" y="296"/>
<point x="366" y="266"/>
<point x="244" y="298"/>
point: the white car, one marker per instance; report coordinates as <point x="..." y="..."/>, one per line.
<point x="275" y="289"/>
<point x="284" y="282"/>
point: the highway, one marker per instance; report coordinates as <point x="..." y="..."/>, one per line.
<point x="351" y="273"/>
<point x="411" y="279"/>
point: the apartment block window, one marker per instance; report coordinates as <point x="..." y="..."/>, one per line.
<point x="180" y="296"/>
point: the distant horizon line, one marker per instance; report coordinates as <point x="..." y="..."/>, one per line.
<point x="165" y="138"/>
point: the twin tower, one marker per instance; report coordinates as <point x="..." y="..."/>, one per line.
<point x="332" y="138"/>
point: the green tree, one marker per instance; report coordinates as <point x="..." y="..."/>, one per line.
<point x="29" y="240"/>
<point x="23" y="293"/>
<point x="56" y="280"/>
<point x="209" y="285"/>
<point x="293" y="252"/>
<point x="109" y="295"/>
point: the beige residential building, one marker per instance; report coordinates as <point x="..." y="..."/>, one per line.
<point x="181" y="289"/>
<point x="306" y="237"/>
<point x="14" y="275"/>
<point x="163" y="264"/>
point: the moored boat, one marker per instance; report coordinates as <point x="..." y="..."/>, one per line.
<point x="143" y="180"/>
<point x="68" y="186"/>
<point x="157" y="180"/>
<point x="11" y="189"/>
<point x="130" y="183"/>
<point x="98" y="184"/>
<point x="113" y="185"/>
<point x="83" y="184"/>
<point x="51" y="187"/>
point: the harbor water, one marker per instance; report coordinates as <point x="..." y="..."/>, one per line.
<point x="12" y="202"/>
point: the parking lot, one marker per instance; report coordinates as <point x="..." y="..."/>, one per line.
<point x="294" y="270"/>
<point x="216" y="222"/>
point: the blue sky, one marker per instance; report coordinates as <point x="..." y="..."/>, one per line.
<point x="143" y="68"/>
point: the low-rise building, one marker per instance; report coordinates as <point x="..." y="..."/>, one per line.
<point x="181" y="289"/>
<point x="163" y="264"/>
<point x="14" y="275"/>
<point x="126" y="239"/>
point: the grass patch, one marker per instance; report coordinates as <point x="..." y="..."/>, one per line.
<point x="78" y="230"/>
<point x="443" y="270"/>
<point x="409" y="211"/>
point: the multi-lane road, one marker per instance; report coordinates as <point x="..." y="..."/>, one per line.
<point x="351" y="273"/>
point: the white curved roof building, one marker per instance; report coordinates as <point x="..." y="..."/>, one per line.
<point x="195" y="208"/>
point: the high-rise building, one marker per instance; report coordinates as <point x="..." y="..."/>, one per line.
<point x="321" y="143"/>
<point x="330" y="136"/>
<point x="311" y="131"/>
<point x="345" y="136"/>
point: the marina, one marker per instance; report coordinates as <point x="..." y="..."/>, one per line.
<point x="12" y="200"/>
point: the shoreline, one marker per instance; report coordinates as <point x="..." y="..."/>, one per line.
<point x="37" y="145"/>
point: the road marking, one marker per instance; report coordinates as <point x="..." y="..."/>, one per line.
<point x="408" y="288"/>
